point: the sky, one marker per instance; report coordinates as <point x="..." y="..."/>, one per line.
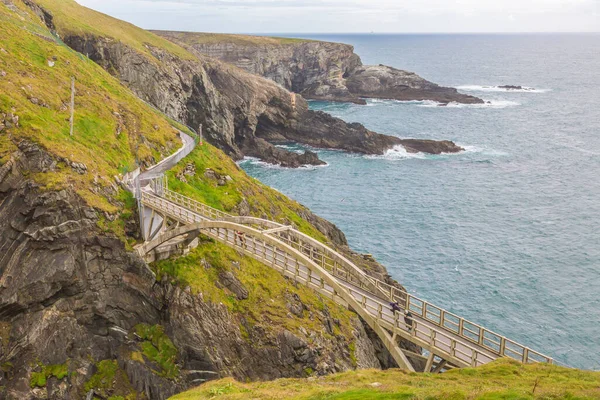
<point x="356" y="16"/>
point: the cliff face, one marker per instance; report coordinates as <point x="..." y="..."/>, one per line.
<point x="79" y="311"/>
<point x="317" y="70"/>
<point x="236" y="109"/>
<point x="72" y="295"/>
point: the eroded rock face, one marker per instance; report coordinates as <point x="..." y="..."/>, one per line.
<point x="383" y="82"/>
<point x="317" y="70"/>
<point x="235" y="108"/>
<point x="71" y="294"/>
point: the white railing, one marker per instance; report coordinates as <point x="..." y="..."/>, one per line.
<point x="443" y="322"/>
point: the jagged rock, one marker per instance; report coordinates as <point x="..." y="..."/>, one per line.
<point x="80" y="168"/>
<point x="243" y="208"/>
<point x="511" y="87"/>
<point x="211" y="174"/>
<point x="383" y="82"/>
<point x="318" y="70"/>
<point x="2" y="74"/>
<point x="235" y="108"/>
<point x="230" y="281"/>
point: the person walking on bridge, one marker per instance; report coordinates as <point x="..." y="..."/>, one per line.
<point x="395" y="307"/>
<point x="408" y="320"/>
<point x="239" y="235"/>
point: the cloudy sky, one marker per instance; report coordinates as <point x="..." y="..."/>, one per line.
<point x="384" y="16"/>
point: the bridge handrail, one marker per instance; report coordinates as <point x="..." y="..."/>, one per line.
<point x="462" y="327"/>
<point x="428" y="336"/>
<point x="327" y="257"/>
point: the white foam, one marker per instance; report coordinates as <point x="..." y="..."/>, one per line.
<point x="263" y="164"/>
<point x="290" y="148"/>
<point x="482" y="150"/>
<point x="491" y="88"/>
<point x="397" y="152"/>
<point x="487" y="104"/>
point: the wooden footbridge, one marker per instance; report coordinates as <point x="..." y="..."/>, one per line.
<point x="448" y="340"/>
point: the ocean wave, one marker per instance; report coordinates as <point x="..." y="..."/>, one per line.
<point x="432" y="103"/>
<point x="263" y="164"/>
<point x="482" y="150"/>
<point x="491" y="88"/>
<point x="397" y="152"/>
<point x="487" y="104"/>
<point x="291" y="148"/>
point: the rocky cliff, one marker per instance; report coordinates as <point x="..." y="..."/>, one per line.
<point x="73" y="296"/>
<point x="81" y="315"/>
<point x="236" y="109"/>
<point x="317" y="70"/>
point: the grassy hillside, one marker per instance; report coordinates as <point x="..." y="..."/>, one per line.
<point x="71" y="18"/>
<point x="193" y="38"/>
<point x="113" y="130"/>
<point x="503" y="379"/>
<point x="263" y="201"/>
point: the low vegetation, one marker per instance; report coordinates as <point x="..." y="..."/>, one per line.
<point x="159" y="349"/>
<point x="74" y="19"/>
<point x="113" y="130"/>
<point x="263" y="201"/>
<point x="40" y="378"/>
<point x="503" y="379"/>
<point x="110" y="382"/>
<point x="193" y="38"/>
<point x="268" y="291"/>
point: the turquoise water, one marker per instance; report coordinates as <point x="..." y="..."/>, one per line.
<point x="506" y="234"/>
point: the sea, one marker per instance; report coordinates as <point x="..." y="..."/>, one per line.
<point x="505" y="234"/>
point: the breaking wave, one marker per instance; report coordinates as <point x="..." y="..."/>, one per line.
<point x="491" y="88"/>
<point x="258" y="162"/>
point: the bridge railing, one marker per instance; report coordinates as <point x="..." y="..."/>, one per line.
<point x="311" y="247"/>
<point x="426" y="336"/>
<point x="345" y="270"/>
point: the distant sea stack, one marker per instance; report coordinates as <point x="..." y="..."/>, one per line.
<point x="317" y="70"/>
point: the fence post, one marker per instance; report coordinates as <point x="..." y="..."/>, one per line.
<point x="72" y="104"/>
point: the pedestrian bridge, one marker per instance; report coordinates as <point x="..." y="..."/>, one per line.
<point x="448" y="340"/>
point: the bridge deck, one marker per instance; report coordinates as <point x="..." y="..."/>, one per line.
<point x="443" y="334"/>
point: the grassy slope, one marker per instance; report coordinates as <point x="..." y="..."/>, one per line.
<point x="71" y="18"/>
<point x="264" y="201"/>
<point x="193" y="38"/>
<point x="503" y="379"/>
<point x="267" y="290"/>
<point x="266" y="304"/>
<point x="103" y="106"/>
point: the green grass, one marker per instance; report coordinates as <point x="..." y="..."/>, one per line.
<point x="264" y="201"/>
<point x="503" y="379"/>
<point x="102" y="105"/>
<point x="195" y="38"/>
<point x="110" y="382"/>
<point x="40" y="378"/>
<point x="267" y="290"/>
<point x="72" y="19"/>
<point x="158" y="348"/>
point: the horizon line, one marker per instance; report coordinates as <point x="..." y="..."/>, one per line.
<point x="388" y="33"/>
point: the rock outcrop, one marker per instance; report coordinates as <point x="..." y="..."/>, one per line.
<point x="317" y="70"/>
<point x="71" y="295"/>
<point x="235" y="108"/>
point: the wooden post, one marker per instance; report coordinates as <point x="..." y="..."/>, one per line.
<point x="429" y="363"/>
<point x="200" y="131"/>
<point x="72" y="103"/>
